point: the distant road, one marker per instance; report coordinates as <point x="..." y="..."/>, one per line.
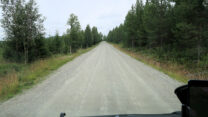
<point x="103" y="81"/>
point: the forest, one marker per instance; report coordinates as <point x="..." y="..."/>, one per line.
<point x="170" y="30"/>
<point x="27" y="55"/>
<point x="25" y="40"/>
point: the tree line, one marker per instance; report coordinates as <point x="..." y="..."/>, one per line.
<point x="173" y="30"/>
<point x="25" y="39"/>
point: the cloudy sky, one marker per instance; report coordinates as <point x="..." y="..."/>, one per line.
<point x="104" y="14"/>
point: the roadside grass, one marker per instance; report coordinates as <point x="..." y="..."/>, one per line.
<point x="175" y="71"/>
<point x="14" y="78"/>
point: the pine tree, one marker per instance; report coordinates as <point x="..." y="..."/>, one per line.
<point x="58" y="44"/>
<point x="95" y="35"/>
<point x="130" y="27"/>
<point x="88" y="36"/>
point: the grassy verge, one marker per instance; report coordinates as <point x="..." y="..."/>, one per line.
<point x="175" y="71"/>
<point x="14" y="77"/>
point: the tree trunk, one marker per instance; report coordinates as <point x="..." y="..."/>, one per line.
<point x="199" y="45"/>
<point x="198" y="53"/>
<point x="17" y="47"/>
<point x="70" y="50"/>
<point x="132" y="43"/>
<point x="25" y="53"/>
<point x="161" y="42"/>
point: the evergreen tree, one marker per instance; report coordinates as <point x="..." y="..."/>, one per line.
<point x="81" y="39"/>
<point x="130" y="27"/>
<point x="174" y="30"/>
<point x="88" y="36"/>
<point x="95" y="36"/>
<point x="58" y="44"/>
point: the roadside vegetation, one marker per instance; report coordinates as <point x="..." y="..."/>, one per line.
<point x="15" y="77"/>
<point x="169" y="35"/>
<point x="26" y="55"/>
<point x="176" y="71"/>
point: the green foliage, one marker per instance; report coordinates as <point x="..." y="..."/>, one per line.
<point x="74" y="32"/>
<point x="81" y="39"/>
<point x="58" y="44"/>
<point x="130" y="26"/>
<point x="24" y="27"/>
<point x="173" y="31"/>
<point x="41" y="50"/>
<point x="77" y="38"/>
<point x="17" y="77"/>
<point x="88" y="36"/>
<point x="94" y="35"/>
<point x="155" y="14"/>
<point x="117" y="35"/>
<point x="25" y="42"/>
<point x="6" y="69"/>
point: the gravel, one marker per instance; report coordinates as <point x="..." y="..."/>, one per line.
<point x="103" y="81"/>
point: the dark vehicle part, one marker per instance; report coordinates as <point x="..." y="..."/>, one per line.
<point x="175" y="114"/>
<point x="194" y="98"/>
<point x="62" y="114"/>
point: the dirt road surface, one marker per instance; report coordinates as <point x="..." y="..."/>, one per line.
<point x="103" y="81"/>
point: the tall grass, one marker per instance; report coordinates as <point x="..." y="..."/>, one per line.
<point x="9" y="85"/>
<point x="20" y="76"/>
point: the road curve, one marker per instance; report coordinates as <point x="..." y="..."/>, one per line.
<point x="103" y="81"/>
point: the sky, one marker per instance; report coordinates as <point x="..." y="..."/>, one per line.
<point x="104" y="14"/>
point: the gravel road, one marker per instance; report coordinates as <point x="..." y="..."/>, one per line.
<point x="103" y="81"/>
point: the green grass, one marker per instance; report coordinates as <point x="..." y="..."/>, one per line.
<point x="173" y="70"/>
<point x="6" y="68"/>
<point x="17" y="77"/>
